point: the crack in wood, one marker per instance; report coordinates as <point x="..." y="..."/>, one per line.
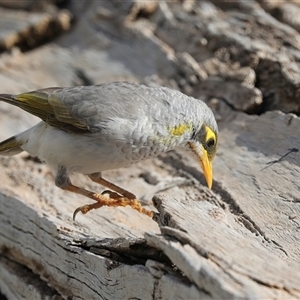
<point x="244" y="218"/>
<point x="122" y="250"/>
<point x="173" y="160"/>
<point x="15" y="274"/>
<point x="255" y="279"/>
<point x="270" y="163"/>
<point x="275" y="286"/>
<point x="232" y="272"/>
<point x="235" y="209"/>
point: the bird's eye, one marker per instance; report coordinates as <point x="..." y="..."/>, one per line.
<point x="210" y="143"/>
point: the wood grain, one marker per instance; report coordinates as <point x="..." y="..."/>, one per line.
<point x="240" y="239"/>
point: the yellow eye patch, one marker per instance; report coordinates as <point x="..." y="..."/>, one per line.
<point x="209" y="134"/>
<point x="181" y="129"/>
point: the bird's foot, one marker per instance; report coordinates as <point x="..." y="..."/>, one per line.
<point x="114" y="200"/>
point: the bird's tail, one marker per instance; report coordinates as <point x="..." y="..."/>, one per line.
<point x="9" y="99"/>
<point x="11" y="146"/>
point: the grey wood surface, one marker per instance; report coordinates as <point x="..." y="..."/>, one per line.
<point x="240" y="239"/>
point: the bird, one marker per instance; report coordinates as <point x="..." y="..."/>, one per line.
<point x="90" y="129"/>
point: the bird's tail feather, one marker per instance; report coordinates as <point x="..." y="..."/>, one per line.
<point x="11" y="146"/>
<point x="9" y="99"/>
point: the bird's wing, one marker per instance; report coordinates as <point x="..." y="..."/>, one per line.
<point x="113" y="107"/>
<point x="47" y="106"/>
<point x="95" y="108"/>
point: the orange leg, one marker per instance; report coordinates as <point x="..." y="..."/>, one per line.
<point x="103" y="200"/>
<point x="62" y="180"/>
<point x="96" y="177"/>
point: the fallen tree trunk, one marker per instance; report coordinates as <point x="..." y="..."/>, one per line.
<point x="212" y="244"/>
<point x="238" y="240"/>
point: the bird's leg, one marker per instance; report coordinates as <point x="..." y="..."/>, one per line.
<point x="96" y="177"/>
<point x="62" y="180"/>
<point x="118" y="193"/>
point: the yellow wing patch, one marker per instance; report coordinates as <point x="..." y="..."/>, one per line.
<point x="180" y="129"/>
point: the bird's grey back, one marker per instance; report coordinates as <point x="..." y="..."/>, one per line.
<point x="118" y="100"/>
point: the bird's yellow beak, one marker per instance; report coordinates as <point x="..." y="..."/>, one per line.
<point x="207" y="168"/>
<point x="206" y="164"/>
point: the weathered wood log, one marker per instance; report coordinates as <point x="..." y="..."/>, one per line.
<point x="239" y="240"/>
<point x="27" y="30"/>
<point x="223" y="241"/>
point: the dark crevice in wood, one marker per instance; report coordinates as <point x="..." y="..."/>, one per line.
<point x="122" y="250"/>
<point x="225" y="196"/>
<point x="26" y="276"/>
<point x="236" y="210"/>
<point x="274" y="286"/>
<point x="2" y="297"/>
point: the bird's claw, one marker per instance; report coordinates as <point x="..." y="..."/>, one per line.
<point x="114" y="201"/>
<point x="85" y="209"/>
<point x="76" y="211"/>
